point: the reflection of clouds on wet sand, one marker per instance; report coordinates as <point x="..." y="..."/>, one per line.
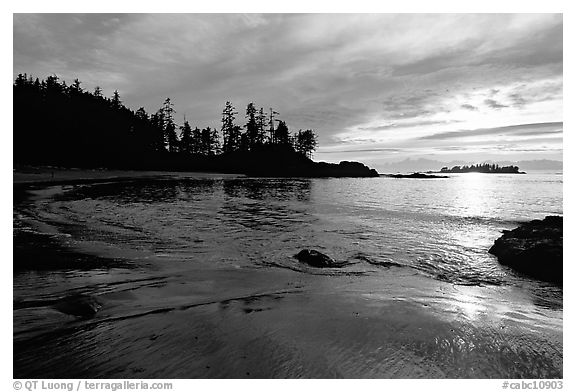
<point x="279" y="323"/>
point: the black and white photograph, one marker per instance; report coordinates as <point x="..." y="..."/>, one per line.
<point x="287" y="196"/>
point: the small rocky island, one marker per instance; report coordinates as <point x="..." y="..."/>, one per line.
<point x="534" y="248"/>
<point x="483" y="168"/>
<point x="414" y="175"/>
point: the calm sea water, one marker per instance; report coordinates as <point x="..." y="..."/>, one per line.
<point x="441" y="227"/>
<point x="176" y="229"/>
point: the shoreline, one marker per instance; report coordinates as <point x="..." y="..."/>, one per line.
<point x="46" y="176"/>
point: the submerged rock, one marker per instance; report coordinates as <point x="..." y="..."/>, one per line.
<point x="386" y="264"/>
<point x="534" y="248"/>
<point x="317" y="259"/>
<point x="78" y="305"/>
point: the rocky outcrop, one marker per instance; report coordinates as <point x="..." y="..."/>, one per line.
<point x="284" y="162"/>
<point x="342" y="169"/>
<point x="317" y="259"/>
<point x="534" y="248"/>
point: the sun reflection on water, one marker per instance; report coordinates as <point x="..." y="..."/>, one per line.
<point x="473" y="201"/>
<point x="471" y="306"/>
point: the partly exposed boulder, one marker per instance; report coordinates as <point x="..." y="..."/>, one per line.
<point x="534" y="248"/>
<point x="317" y="259"/>
<point x="79" y="305"/>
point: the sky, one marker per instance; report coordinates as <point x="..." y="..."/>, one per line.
<point x="377" y="88"/>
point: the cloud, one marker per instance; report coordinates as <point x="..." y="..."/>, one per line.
<point x="494" y="104"/>
<point x="407" y="124"/>
<point x="516" y="130"/>
<point x="340" y="74"/>
<point x="383" y="149"/>
<point x="517" y="100"/>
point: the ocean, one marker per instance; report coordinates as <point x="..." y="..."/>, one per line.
<point x="196" y="278"/>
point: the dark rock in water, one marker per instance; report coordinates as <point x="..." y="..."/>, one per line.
<point x="79" y="305"/>
<point x="534" y="248"/>
<point x="414" y="175"/>
<point x="317" y="259"/>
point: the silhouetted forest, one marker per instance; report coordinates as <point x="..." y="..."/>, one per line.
<point x="57" y="124"/>
<point x="482" y="168"/>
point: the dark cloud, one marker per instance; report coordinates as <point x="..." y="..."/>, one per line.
<point x="451" y="58"/>
<point x="405" y="107"/>
<point x="525" y="95"/>
<point x="540" y="47"/>
<point x="494" y="104"/>
<point x="517" y="130"/>
<point x="469" y="107"/>
<point x="517" y="100"/>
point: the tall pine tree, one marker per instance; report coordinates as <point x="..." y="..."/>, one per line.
<point x="230" y="132"/>
<point x="169" y="126"/>
<point x="186" y="140"/>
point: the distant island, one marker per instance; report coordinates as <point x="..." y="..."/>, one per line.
<point x="483" y="168"/>
<point x="414" y="165"/>
<point x="62" y="125"/>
